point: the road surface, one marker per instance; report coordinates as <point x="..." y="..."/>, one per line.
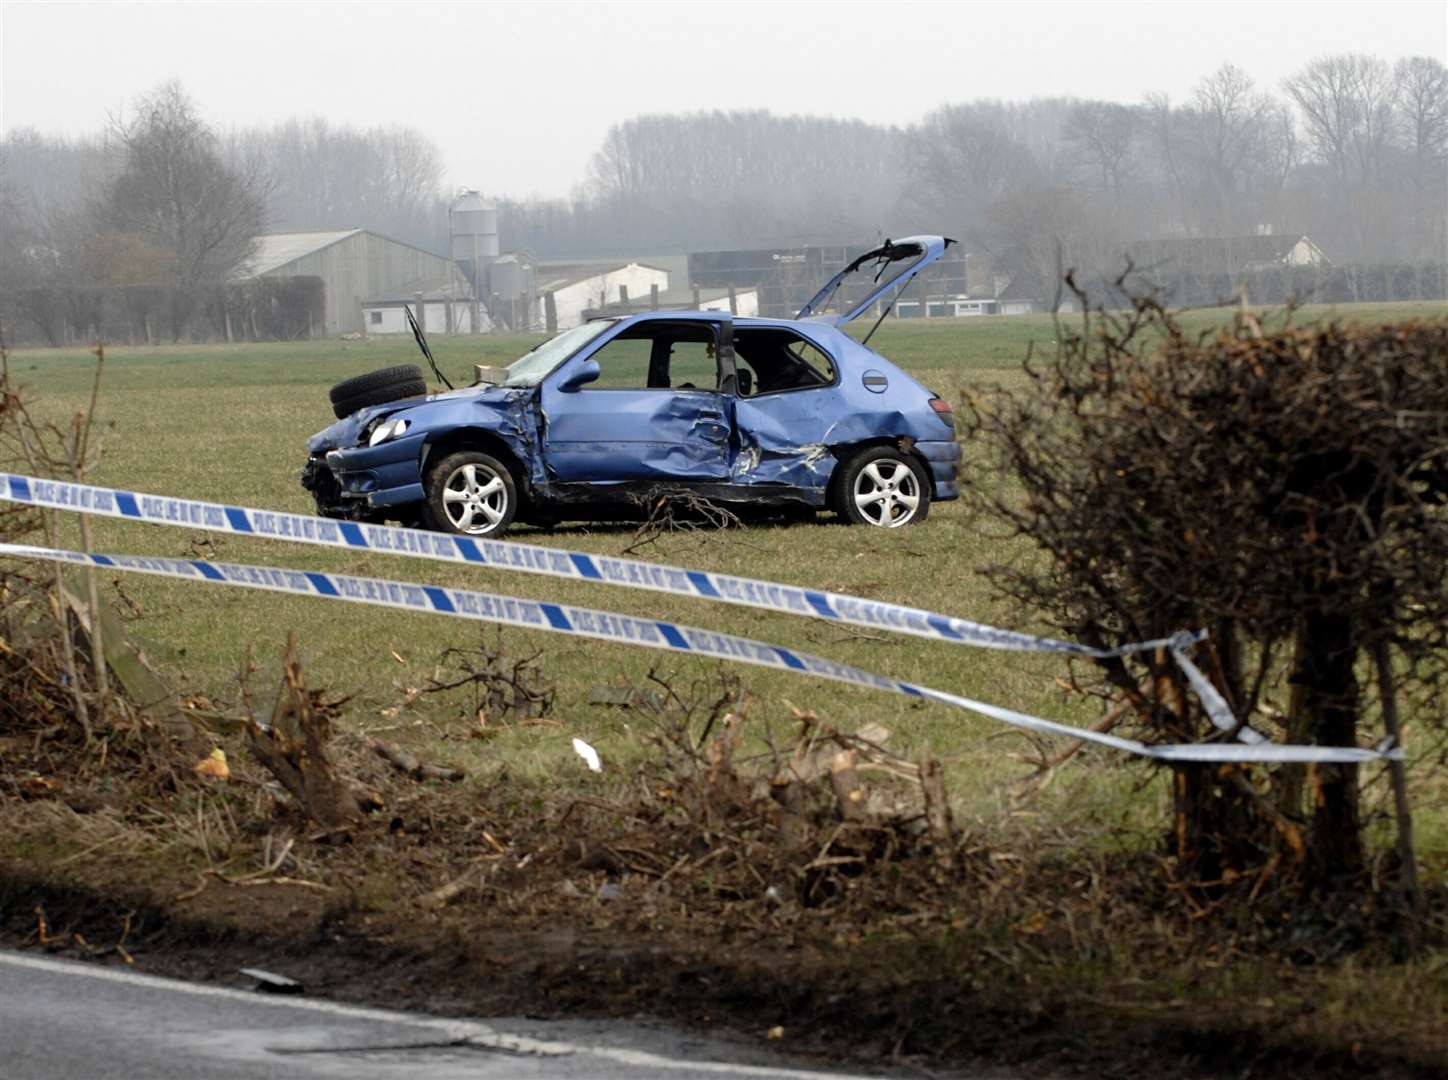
<point x="61" y="1019"/>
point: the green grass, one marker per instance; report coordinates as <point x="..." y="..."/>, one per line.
<point x="230" y="423"/>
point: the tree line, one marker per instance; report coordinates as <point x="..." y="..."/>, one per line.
<point x="1350" y="150"/>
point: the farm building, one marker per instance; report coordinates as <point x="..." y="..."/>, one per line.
<point x="746" y="302"/>
<point x="446" y="307"/>
<point x="354" y="264"/>
<point x="580" y="288"/>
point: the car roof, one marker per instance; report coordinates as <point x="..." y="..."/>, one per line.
<point x="717" y="316"/>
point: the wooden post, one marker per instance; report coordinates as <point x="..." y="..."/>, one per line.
<point x="924" y="295"/>
<point x="846" y="781"/>
<point x="733" y="302"/>
<point x="697" y="303"/>
<point x="226" y="318"/>
<point x="653" y="298"/>
<point x="1398" y="775"/>
<point x="447" y="315"/>
<point x="420" y="312"/>
<point x="937" y="812"/>
<point x="623" y="296"/>
<point x="550" y="313"/>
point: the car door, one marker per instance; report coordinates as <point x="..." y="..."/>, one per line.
<point x="657" y="411"/>
<point x="789" y="401"/>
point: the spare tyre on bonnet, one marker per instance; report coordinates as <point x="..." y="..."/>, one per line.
<point x="377" y="388"/>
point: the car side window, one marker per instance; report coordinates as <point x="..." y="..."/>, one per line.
<point x="624" y="365"/>
<point x="781" y="360"/>
<point x="659" y="356"/>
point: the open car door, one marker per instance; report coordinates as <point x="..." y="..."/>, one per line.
<point x="872" y="276"/>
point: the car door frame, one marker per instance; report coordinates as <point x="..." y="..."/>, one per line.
<point x="563" y="458"/>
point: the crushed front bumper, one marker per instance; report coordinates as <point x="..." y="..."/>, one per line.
<point x="350" y="483"/>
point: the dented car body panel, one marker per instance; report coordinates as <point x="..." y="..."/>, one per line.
<point x="741" y="410"/>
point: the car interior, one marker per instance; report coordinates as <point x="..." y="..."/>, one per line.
<point x="684" y="356"/>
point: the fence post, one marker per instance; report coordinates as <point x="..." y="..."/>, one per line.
<point x="623" y="296"/>
<point x="696" y="298"/>
<point x="550" y="313"/>
<point x="733" y="302"/>
<point x="653" y="297"/>
<point x="421" y="312"/>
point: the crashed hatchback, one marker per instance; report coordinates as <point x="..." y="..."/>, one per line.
<point x="605" y="418"/>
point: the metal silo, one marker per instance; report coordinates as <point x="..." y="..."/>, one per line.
<point x="473" y="227"/>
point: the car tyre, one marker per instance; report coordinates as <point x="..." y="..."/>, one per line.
<point x="472" y="494"/>
<point x="377" y="388"/>
<point x="883" y="487"/>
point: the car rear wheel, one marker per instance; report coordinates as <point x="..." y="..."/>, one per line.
<point x="377" y="388"/>
<point x="882" y="487"/>
<point x="471" y="493"/>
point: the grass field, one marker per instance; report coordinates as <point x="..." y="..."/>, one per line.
<point x="229" y="423"/>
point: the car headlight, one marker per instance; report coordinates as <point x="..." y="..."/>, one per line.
<point x="388" y="429"/>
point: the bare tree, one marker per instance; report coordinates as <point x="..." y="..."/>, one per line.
<point x="176" y="193"/>
<point x="1421" y="86"/>
<point x="1347" y="107"/>
<point x="1103" y="136"/>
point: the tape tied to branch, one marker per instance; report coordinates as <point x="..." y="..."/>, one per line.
<point x="655" y="634"/>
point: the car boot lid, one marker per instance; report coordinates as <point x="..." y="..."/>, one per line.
<point x="873" y="275"/>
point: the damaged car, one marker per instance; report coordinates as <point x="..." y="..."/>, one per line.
<point x="605" y="418"/>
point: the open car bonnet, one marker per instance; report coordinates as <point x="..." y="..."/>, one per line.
<point x="875" y="274"/>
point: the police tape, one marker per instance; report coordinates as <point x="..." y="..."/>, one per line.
<point x="657" y="634"/>
<point x="585" y="566"/>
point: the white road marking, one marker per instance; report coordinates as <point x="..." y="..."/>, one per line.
<point x="472" y="1031"/>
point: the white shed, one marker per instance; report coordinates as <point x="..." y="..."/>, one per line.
<point x="595" y="288"/>
<point x="446" y="308"/>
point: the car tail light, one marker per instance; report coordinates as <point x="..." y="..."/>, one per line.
<point x="942" y="409"/>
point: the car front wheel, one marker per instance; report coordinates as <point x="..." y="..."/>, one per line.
<point x="471" y="493"/>
<point x="882" y="487"/>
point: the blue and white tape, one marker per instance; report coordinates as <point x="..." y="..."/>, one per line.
<point x="535" y="559"/>
<point x="653" y="634"/>
<point x="584" y="566"/>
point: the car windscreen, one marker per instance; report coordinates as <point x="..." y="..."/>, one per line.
<point x="529" y="370"/>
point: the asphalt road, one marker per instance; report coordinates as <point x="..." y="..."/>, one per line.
<point x="61" y="1020"/>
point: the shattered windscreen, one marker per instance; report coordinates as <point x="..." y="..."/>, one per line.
<point x="529" y="369"/>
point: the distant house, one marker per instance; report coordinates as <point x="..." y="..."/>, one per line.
<point x="446" y="307"/>
<point x="1231" y="255"/>
<point x="354" y="264"/>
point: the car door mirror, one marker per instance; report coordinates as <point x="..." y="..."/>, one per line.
<point x="584" y="373"/>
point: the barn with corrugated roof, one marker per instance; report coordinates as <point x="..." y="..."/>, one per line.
<point x="354" y="264"/>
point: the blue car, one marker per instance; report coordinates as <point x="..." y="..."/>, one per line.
<point x="605" y="419"/>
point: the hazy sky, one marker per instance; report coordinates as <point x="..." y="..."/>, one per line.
<point x="519" y="95"/>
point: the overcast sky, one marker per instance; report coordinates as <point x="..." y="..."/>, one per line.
<point x="519" y="95"/>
